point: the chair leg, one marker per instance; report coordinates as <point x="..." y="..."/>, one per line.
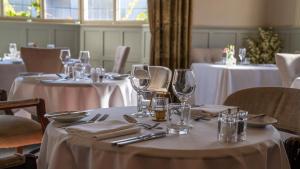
<point x="19" y="150"/>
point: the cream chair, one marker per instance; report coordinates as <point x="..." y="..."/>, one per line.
<point x="206" y="55"/>
<point x="42" y="60"/>
<point x="280" y="103"/>
<point x="289" y="67"/>
<point x="160" y="78"/>
<point x="121" y="56"/>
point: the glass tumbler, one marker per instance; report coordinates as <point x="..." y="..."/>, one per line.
<point x="178" y="118"/>
<point x="78" y="71"/>
<point x="227" y="127"/>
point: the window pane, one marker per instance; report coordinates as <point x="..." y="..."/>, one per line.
<point x="132" y="10"/>
<point x="62" y="9"/>
<point x="98" y="10"/>
<point x="26" y="8"/>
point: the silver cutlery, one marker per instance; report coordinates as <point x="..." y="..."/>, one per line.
<point x="139" y="138"/>
<point x="145" y="125"/>
<point x="104" y="117"/>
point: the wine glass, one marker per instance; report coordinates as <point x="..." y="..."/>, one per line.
<point x="140" y="81"/>
<point x="183" y="84"/>
<point x="12" y="48"/>
<point x="65" y="56"/>
<point x="84" y="57"/>
<point x="242" y="54"/>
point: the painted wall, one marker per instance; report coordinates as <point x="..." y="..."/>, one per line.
<point x="229" y="13"/>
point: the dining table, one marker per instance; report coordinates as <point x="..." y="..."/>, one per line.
<point x="9" y="70"/>
<point x="62" y="94"/>
<point x="296" y="83"/>
<point x="215" y="82"/>
<point x="262" y="149"/>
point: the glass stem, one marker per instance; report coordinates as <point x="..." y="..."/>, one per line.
<point x="65" y="69"/>
<point x="139" y="102"/>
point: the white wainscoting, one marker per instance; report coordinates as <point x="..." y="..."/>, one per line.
<point x="42" y="34"/>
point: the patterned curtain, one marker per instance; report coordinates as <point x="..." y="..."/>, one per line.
<point x="170" y="27"/>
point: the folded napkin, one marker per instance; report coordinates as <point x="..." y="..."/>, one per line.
<point x="209" y="110"/>
<point x="103" y="130"/>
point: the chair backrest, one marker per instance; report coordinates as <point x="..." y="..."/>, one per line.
<point x="160" y="78"/>
<point x="280" y="103"/>
<point x="206" y="55"/>
<point x="121" y="56"/>
<point x="289" y="67"/>
<point x="42" y="60"/>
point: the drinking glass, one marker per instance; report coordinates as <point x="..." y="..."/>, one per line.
<point x="242" y="125"/>
<point x="78" y="71"/>
<point x="65" y="56"/>
<point x="140" y="81"/>
<point x="12" y="48"/>
<point x="183" y="84"/>
<point x="84" y="57"/>
<point x="242" y="54"/>
<point x="178" y="117"/>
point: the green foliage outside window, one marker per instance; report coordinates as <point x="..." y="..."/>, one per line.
<point x="10" y="11"/>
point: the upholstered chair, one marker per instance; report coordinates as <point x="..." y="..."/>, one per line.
<point x="280" y="103"/>
<point x="160" y="78"/>
<point x="205" y="55"/>
<point x="121" y="56"/>
<point x="42" y="60"/>
<point x="17" y="132"/>
<point x="289" y="67"/>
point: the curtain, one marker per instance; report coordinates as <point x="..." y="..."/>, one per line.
<point x="170" y="27"/>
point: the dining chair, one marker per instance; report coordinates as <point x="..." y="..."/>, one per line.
<point x="121" y="56"/>
<point x="160" y="78"/>
<point x="280" y="103"/>
<point x="289" y="67"/>
<point x="205" y="55"/>
<point x="17" y="132"/>
<point x="44" y="60"/>
<point x="3" y="97"/>
<point x="292" y="147"/>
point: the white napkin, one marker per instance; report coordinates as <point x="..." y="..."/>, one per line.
<point x="209" y="110"/>
<point x="103" y="130"/>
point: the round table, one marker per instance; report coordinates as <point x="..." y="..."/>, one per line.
<point x="199" y="149"/>
<point x="69" y="95"/>
<point x="8" y="72"/>
<point x="214" y="83"/>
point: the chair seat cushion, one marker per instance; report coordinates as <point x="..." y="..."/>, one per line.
<point x="18" y="131"/>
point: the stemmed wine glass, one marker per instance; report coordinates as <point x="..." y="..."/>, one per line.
<point x="140" y="80"/>
<point x="13" y="48"/>
<point x="65" y="56"/>
<point x="84" y="57"/>
<point x="184" y="85"/>
<point x="242" y="54"/>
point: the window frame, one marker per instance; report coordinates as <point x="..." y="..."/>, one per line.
<point x="81" y="20"/>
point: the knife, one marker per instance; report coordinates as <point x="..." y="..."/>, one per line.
<point x="145" y="138"/>
<point x="130" y="138"/>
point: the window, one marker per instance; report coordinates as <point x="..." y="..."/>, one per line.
<point x="22" y="8"/>
<point x="92" y="10"/>
<point x="62" y="9"/>
<point x="132" y="10"/>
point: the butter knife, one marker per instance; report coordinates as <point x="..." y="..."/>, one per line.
<point x="145" y="138"/>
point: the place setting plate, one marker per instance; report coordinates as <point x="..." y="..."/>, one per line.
<point x="260" y="121"/>
<point x="116" y="76"/>
<point x="67" y="117"/>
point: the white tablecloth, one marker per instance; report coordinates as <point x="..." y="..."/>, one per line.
<point x="296" y="83"/>
<point x="8" y="72"/>
<point x="73" y="95"/>
<point x="215" y="82"/>
<point x="197" y="150"/>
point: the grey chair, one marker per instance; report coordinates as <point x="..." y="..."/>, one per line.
<point x="121" y="56"/>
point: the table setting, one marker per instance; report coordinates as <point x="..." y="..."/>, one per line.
<point x="158" y="133"/>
